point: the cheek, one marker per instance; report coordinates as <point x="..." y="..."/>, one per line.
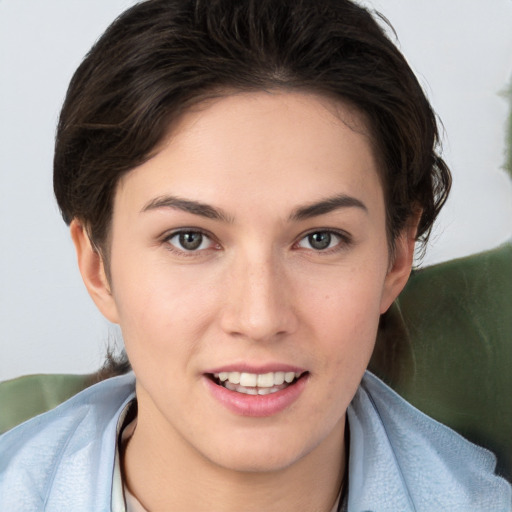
<point x="344" y="320"/>
<point x="346" y="302"/>
<point x="162" y="311"/>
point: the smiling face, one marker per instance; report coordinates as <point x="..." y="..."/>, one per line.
<point x="249" y="252"/>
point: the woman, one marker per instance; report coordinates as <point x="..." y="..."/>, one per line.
<point x="245" y="183"/>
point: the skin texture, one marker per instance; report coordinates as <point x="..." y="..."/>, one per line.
<point x="255" y="292"/>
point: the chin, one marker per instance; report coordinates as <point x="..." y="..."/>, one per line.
<point x="260" y="453"/>
<point x="256" y="462"/>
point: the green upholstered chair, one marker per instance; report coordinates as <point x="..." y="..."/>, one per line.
<point x="25" y="397"/>
<point x="445" y="345"/>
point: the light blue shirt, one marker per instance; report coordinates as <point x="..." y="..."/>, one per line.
<point x="400" y="459"/>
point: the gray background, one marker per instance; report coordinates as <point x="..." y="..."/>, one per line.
<point x="460" y="49"/>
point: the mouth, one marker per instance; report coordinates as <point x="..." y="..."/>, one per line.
<point x="256" y="383"/>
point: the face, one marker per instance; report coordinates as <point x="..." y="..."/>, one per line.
<point x="249" y="252"/>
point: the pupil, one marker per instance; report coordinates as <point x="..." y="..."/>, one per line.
<point x="320" y="240"/>
<point x="191" y="241"/>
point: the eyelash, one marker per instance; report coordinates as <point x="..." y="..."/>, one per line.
<point x="345" y="241"/>
<point x="184" y="252"/>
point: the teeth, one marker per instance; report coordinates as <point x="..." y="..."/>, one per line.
<point x="234" y="377"/>
<point x="248" y="380"/>
<point x="252" y="391"/>
<point x="264" y="381"/>
<point x="289" y="376"/>
<point x="278" y="378"/>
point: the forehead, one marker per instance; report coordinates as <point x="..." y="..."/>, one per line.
<point x="286" y="147"/>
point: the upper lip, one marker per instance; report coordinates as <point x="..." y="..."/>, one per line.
<point x="257" y="369"/>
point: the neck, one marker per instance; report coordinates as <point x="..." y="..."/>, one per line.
<point x="166" y="474"/>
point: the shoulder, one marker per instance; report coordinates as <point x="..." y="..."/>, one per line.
<point x="66" y="453"/>
<point x="402" y="459"/>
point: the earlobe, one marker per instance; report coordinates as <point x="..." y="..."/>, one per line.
<point x="92" y="269"/>
<point x="400" y="270"/>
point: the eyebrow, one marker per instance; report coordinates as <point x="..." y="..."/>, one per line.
<point x="187" y="205"/>
<point x="301" y="213"/>
<point x="326" y="206"/>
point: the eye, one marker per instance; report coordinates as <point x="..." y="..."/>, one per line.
<point x="189" y="241"/>
<point x="321" y="240"/>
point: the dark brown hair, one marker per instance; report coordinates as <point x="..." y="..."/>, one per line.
<point x="161" y="56"/>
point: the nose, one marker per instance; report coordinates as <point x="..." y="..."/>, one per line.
<point x="258" y="300"/>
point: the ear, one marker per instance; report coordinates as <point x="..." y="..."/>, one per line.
<point x="92" y="268"/>
<point x="401" y="264"/>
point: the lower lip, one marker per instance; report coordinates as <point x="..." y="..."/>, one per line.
<point x="257" y="405"/>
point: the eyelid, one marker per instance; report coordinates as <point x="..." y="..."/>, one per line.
<point x="346" y="239"/>
<point x="167" y="236"/>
